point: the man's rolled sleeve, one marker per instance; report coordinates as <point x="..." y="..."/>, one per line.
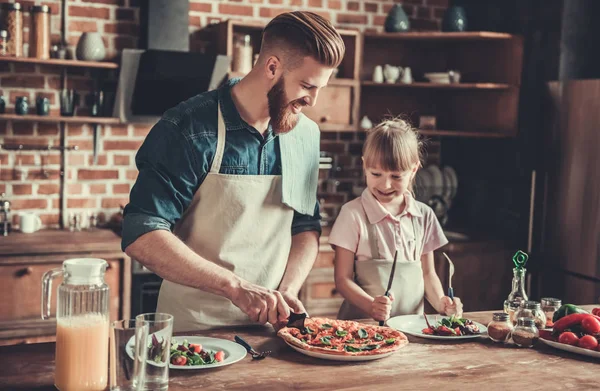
<point x="302" y="223"/>
<point x="165" y="185"/>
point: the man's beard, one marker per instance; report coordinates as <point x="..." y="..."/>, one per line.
<point x="283" y="118"/>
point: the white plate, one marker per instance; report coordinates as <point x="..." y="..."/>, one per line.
<point x="334" y="357"/>
<point x="438" y="180"/>
<point x="452" y="174"/>
<point x="570" y="348"/>
<point x="414" y="324"/>
<point x="234" y="352"/>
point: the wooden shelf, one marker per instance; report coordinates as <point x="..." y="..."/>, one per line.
<point x="458" y="86"/>
<point x="56" y="119"/>
<point x="461" y="133"/>
<point x="62" y="63"/>
<point x="441" y="36"/>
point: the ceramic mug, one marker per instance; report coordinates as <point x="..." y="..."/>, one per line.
<point x="29" y="223"/>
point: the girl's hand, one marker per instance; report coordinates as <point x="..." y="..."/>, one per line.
<point x="451" y="307"/>
<point x="381" y="307"/>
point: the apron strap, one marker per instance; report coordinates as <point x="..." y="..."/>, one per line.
<point x="216" y="164"/>
<point x="373" y="241"/>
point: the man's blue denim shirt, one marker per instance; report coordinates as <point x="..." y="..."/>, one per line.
<point x="177" y="155"/>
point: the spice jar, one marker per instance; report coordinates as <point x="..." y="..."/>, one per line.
<point x="511" y="308"/>
<point x="550" y="305"/>
<point x="3" y="42"/>
<point x="242" y="54"/>
<point x="500" y="327"/>
<point x="526" y="333"/>
<point x="39" y="39"/>
<point x="532" y="310"/>
<point x="12" y="22"/>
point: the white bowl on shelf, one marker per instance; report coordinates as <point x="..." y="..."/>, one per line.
<point x="438" y="77"/>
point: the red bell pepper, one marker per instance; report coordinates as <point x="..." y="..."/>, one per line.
<point x="571" y="320"/>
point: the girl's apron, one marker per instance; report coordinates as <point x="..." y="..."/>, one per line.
<point x="239" y="223"/>
<point x="373" y="275"/>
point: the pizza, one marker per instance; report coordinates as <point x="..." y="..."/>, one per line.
<point x="344" y="337"/>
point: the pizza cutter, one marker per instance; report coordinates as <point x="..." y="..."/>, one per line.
<point x="297" y="321"/>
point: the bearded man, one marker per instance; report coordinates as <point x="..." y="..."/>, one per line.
<point x="224" y="208"/>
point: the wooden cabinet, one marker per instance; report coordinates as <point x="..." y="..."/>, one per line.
<point x="318" y="294"/>
<point x="482" y="272"/>
<point x="482" y="276"/>
<point x="24" y="258"/>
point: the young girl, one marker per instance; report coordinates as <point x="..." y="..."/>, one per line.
<point x="384" y="219"/>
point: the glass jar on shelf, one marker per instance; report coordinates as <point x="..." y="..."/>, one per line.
<point x="500" y="328"/>
<point x="12" y="21"/>
<point x="532" y="310"/>
<point x="526" y="333"/>
<point x="550" y="305"/>
<point x="518" y="287"/>
<point x="242" y="54"/>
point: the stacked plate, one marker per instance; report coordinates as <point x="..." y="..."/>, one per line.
<point x="433" y="181"/>
<point x="438" y="77"/>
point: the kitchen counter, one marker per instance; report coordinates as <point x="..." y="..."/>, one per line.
<point x="50" y="241"/>
<point x="422" y="365"/>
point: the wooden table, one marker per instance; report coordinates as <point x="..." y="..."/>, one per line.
<point x="422" y="365"/>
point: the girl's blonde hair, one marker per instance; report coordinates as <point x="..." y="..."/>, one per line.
<point x="393" y="145"/>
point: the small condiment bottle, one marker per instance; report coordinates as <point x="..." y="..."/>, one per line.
<point x="526" y="333"/>
<point x="532" y="309"/>
<point x="500" y="327"/>
<point x="549" y="306"/>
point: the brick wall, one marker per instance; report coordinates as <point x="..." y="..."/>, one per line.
<point x="31" y="179"/>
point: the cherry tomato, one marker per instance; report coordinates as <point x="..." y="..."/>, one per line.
<point x="596" y="311"/>
<point x="427" y="331"/>
<point x="568" y="338"/>
<point x="591" y="325"/>
<point x="197" y="348"/>
<point x="588" y="342"/>
<point x="220" y="355"/>
<point x="179" y="360"/>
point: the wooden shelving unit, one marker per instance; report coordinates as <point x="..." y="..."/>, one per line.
<point x="442" y="36"/>
<point x="483" y="104"/>
<point x="458" y="86"/>
<point x="57" y="119"/>
<point x="61" y="63"/>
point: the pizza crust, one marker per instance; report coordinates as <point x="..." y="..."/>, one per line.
<point x="400" y="339"/>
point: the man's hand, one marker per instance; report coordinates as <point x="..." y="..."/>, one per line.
<point x="262" y="305"/>
<point x="293" y="302"/>
<point x="295" y="305"/>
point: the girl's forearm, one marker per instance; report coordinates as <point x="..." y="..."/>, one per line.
<point x="354" y="294"/>
<point x="433" y="290"/>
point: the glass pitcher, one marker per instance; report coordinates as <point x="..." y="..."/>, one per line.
<point x="82" y="324"/>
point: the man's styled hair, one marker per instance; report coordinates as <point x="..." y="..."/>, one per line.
<point x="302" y="34"/>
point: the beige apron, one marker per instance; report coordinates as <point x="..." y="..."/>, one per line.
<point x="239" y="223"/>
<point x="373" y="275"/>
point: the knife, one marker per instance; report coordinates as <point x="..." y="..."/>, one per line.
<point x="450" y="274"/>
<point x="389" y="286"/>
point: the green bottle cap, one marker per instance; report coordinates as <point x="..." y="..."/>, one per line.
<point x="520" y="259"/>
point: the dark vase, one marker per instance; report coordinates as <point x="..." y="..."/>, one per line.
<point x="455" y="19"/>
<point x="397" y="20"/>
<point x="21" y="105"/>
<point x="42" y="106"/>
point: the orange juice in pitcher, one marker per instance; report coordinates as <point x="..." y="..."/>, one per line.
<point x="81" y="324"/>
